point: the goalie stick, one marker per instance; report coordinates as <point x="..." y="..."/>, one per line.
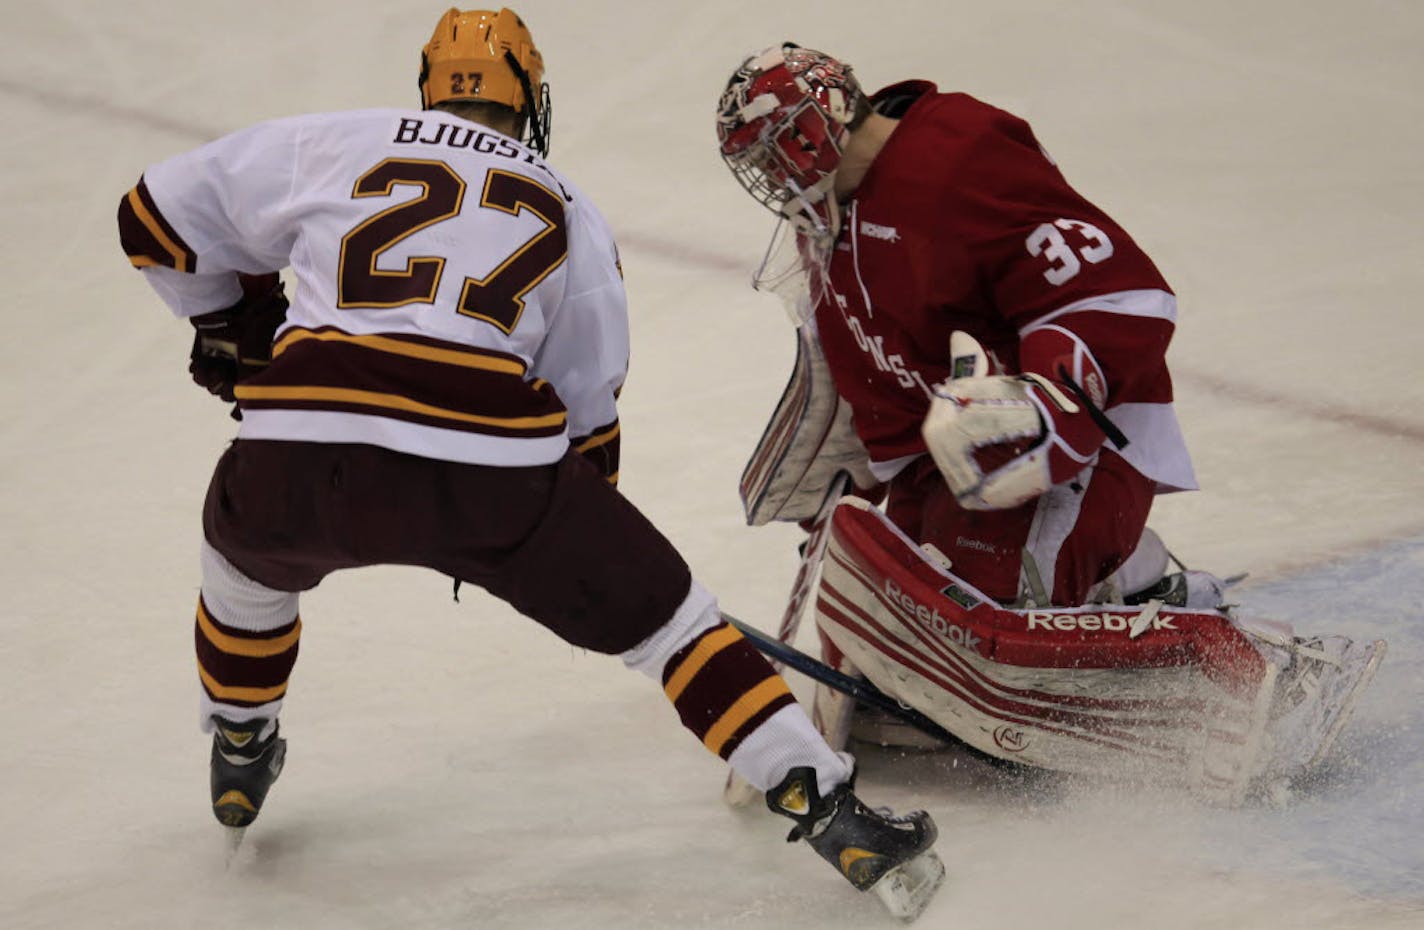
<point x="736" y="792"/>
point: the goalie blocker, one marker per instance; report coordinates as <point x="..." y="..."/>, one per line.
<point x="1149" y="693"/>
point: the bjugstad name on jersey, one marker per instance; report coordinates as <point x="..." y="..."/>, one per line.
<point x="410" y="130"/>
<point x="452" y="136"/>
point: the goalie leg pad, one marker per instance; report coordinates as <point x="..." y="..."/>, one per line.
<point x="1149" y="693"/>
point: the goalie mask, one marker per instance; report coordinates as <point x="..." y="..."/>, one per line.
<point x="489" y="57"/>
<point x="782" y="122"/>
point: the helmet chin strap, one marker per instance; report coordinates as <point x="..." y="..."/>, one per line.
<point x="538" y="131"/>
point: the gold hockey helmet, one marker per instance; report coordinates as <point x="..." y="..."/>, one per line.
<point x="481" y="55"/>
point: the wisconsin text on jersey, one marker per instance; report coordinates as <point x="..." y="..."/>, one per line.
<point x="874" y="346"/>
<point x="410" y="129"/>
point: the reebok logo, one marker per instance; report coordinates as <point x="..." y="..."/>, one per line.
<point x="1050" y="622"/>
<point x="876" y="231"/>
<point x="928" y="618"/>
<point x="965" y="542"/>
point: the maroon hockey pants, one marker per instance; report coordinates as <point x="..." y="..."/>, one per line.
<point x="556" y="542"/>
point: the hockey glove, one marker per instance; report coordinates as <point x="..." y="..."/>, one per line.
<point x="231" y="344"/>
<point x="1002" y="440"/>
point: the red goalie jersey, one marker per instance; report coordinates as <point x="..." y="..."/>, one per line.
<point x="963" y="222"/>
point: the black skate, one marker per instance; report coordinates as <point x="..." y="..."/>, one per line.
<point x="243" y="769"/>
<point x="874" y="849"/>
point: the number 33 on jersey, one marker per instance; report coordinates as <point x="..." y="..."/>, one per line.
<point x="455" y="296"/>
<point x="1049" y="241"/>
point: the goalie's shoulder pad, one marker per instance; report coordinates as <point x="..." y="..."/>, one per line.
<point x="808" y="441"/>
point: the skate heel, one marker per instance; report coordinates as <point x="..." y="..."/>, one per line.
<point x="234" y="809"/>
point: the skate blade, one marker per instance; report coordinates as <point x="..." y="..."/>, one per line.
<point x="906" y="890"/>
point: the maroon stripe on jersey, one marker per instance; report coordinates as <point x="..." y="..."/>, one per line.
<point x="602" y="448"/>
<point x="147" y="238"/>
<point x="242" y="667"/>
<point x="413" y="379"/>
<point x="723" y="688"/>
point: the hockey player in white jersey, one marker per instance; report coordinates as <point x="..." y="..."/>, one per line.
<point x="442" y="391"/>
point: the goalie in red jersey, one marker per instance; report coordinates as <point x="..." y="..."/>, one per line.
<point x="983" y="349"/>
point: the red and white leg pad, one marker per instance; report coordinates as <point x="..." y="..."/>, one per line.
<point x="1152" y="693"/>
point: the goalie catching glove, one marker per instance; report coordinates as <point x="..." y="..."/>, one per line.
<point x="231" y="344"/>
<point x="1002" y="440"/>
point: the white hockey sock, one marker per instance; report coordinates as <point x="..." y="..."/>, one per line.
<point x="783" y="741"/>
<point x="243" y="604"/>
<point x="697" y="612"/>
<point x="787" y="740"/>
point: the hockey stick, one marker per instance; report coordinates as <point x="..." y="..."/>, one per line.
<point x="862" y="691"/>
<point x="736" y="792"/>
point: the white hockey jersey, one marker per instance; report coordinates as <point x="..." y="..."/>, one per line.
<point x="455" y="297"/>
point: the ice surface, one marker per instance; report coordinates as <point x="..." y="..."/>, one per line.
<point x="452" y="765"/>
